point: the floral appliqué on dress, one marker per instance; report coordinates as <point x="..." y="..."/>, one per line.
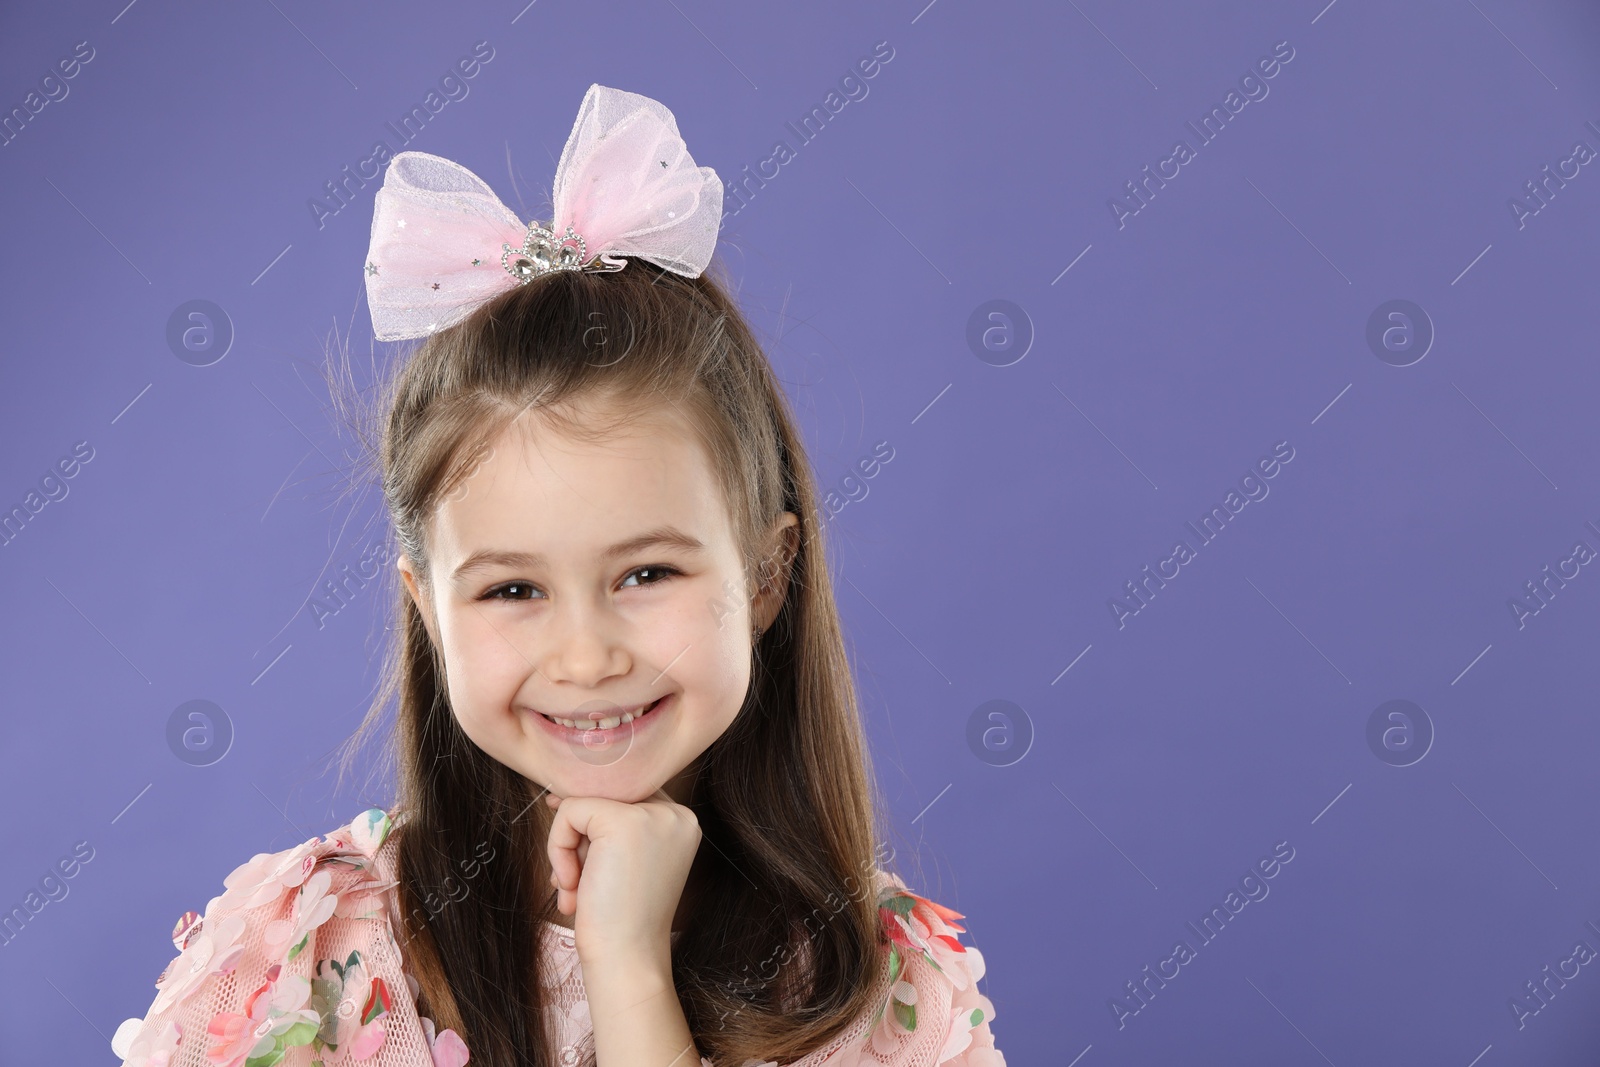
<point x="296" y="963"/>
<point x="932" y="1012"/>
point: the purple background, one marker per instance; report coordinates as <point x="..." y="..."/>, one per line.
<point x="1229" y="314"/>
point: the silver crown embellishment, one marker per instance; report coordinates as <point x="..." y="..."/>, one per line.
<point x="542" y="252"/>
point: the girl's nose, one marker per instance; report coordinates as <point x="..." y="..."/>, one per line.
<point x="585" y="648"/>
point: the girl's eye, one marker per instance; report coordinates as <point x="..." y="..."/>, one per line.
<point x="509" y="587"/>
<point x="662" y="571"/>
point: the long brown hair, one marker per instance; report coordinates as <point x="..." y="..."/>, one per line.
<point x="780" y="952"/>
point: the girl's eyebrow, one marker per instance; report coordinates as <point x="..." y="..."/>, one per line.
<point x="668" y="536"/>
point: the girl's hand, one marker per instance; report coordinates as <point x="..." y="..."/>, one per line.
<point x="620" y="869"/>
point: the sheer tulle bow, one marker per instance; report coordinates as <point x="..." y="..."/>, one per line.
<point x="443" y="243"/>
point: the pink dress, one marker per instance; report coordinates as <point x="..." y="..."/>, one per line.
<point x="297" y="963"/>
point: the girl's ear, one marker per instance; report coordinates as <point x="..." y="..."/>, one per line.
<point x="772" y="575"/>
<point x="408" y="574"/>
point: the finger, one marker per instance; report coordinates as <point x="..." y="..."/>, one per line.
<point x="562" y="849"/>
<point x="569" y="839"/>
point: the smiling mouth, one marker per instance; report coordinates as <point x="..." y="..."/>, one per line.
<point x="608" y="723"/>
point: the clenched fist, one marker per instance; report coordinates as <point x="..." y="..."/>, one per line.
<point x="619" y="869"/>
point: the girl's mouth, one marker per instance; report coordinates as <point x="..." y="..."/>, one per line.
<point x="593" y="729"/>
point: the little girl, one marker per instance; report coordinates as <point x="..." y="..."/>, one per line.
<point x="636" y="822"/>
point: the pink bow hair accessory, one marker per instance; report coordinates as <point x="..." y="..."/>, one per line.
<point x="443" y="243"/>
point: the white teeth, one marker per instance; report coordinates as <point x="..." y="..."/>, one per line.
<point x="610" y="723"/>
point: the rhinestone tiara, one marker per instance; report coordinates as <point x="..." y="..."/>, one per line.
<point x="543" y="252"/>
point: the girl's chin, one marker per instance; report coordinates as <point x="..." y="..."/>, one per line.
<point x="604" y="787"/>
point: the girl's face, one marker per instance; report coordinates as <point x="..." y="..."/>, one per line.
<point x="579" y="581"/>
